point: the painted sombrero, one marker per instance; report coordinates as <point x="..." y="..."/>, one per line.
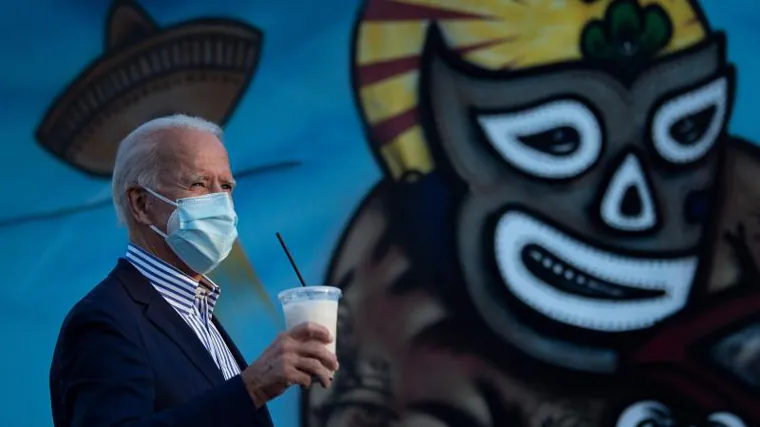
<point x="199" y="67"/>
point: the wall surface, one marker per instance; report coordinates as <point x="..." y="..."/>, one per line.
<point x="541" y="212"/>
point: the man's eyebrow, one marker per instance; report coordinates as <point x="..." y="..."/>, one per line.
<point x="205" y="178"/>
<point x="195" y="177"/>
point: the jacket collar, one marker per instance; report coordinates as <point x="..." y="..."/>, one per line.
<point x="168" y="321"/>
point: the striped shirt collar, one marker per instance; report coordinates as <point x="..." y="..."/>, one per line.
<point x="178" y="289"/>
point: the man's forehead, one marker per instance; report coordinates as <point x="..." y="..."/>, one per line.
<point x="190" y="143"/>
<point x="193" y="153"/>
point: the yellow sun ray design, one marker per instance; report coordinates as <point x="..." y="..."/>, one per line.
<point x="237" y="271"/>
<point x="490" y="34"/>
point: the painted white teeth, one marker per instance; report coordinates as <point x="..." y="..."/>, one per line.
<point x="517" y="230"/>
<point x="561" y="269"/>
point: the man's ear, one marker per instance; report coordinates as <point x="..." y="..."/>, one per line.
<point x="138" y="205"/>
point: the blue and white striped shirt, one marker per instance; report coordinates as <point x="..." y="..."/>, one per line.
<point x="193" y="300"/>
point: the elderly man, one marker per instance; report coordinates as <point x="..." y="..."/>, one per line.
<point x="143" y="348"/>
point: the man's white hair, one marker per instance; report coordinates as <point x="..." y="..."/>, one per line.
<point x="137" y="160"/>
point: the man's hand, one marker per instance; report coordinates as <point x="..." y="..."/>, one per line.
<point x="295" y="357"/>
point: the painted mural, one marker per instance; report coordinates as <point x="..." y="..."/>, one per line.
<point x="78" y="76"/>
<point x="566" y="231"/>
<point x="200" y="67"/>
<point x="542" y="213"/>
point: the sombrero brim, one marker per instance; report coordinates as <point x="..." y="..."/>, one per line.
<point x="199" y="67"/>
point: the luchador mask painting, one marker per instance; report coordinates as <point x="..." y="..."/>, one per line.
<point x="581" y="153"/>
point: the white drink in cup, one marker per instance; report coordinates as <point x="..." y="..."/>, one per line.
<point x="316" y="304"/>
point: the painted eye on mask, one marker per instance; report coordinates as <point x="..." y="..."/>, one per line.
<point x="685" y="127"/>
<point x="725" y="419"/>
<point x="556" y="140"/>
<point x="648" y="413"/>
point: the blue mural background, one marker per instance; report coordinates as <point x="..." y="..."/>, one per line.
<point x="298" y="107"/>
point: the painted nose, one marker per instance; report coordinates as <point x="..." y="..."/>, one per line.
<point x="627" y="203"/>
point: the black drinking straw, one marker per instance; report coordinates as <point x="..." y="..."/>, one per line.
<point x="290" y="257"/>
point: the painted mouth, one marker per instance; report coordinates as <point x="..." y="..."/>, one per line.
<point x="577" y="283"/>
<point x="554" y="271"/>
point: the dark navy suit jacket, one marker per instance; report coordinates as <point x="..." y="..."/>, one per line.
<point x="124" y="357"/>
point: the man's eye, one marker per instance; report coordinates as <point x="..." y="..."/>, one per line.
<point x="227" y="187"/>
<point x="198" y="184"/>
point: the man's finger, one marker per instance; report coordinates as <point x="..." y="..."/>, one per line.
<point x="314" y="368"/>
<point x="301" y="378"/>
<point x="318" y="351"/>
<point x="311" y="331"/>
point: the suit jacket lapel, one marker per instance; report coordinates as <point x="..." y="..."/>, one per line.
<point x="230" y="344"/>
<point x="166" y="319"/>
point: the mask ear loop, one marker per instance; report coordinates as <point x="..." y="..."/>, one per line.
<point x="162" y="198"/>
<point x="159" y="232"/>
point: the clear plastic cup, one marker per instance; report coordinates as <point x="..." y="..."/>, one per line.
<point x="316" y="304"/>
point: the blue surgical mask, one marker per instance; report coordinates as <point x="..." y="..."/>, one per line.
<point x="201" y="230"/>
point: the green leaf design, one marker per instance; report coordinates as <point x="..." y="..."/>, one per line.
<point x="624" y="20"/>
<point x="594" y="41"/>
<point x="658" y="29"/>
<point x="628" y="32"/>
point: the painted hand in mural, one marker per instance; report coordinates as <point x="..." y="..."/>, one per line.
<point x="295" y="357"/>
